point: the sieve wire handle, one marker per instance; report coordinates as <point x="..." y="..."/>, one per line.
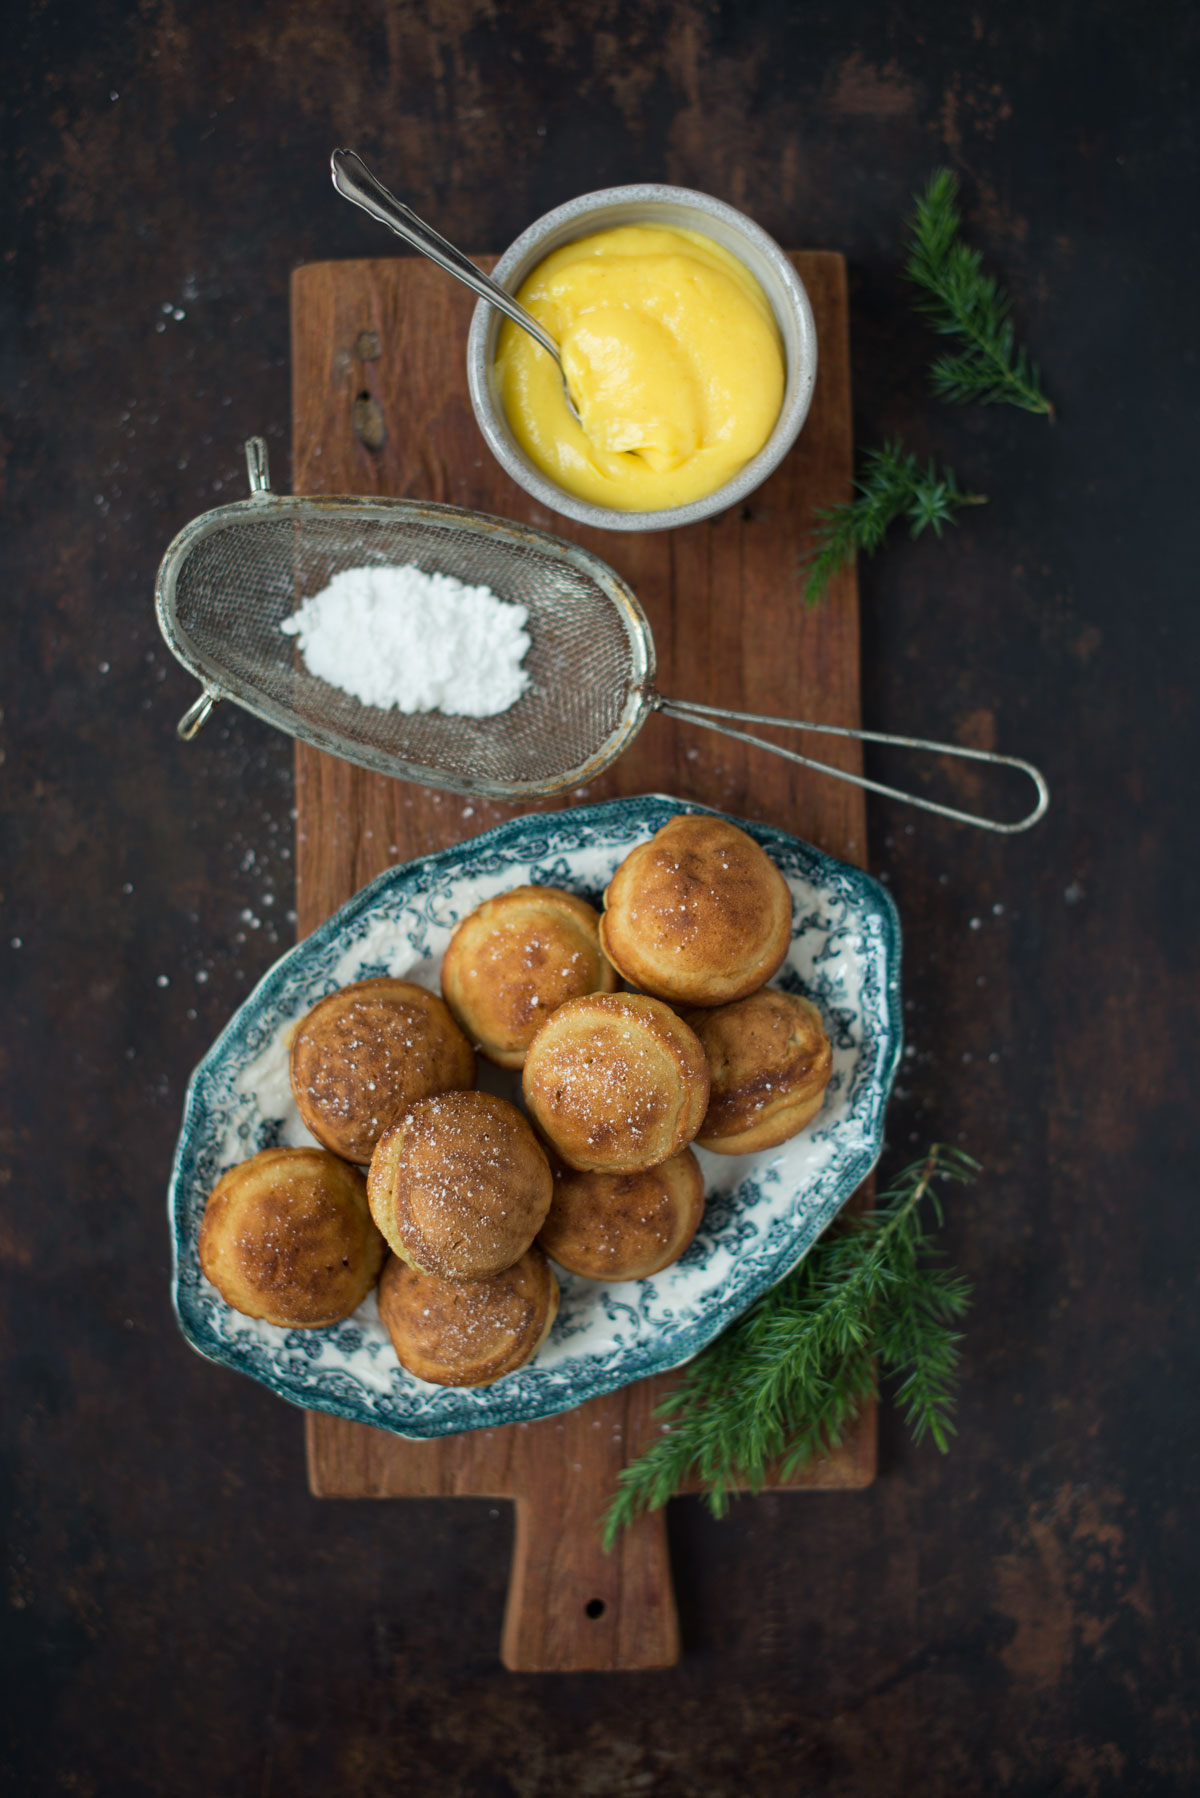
<point x="258" y="467"/>
<point x="197" y="715"/>
<point x="689" y="712"/>
<point x="258" y="473"/>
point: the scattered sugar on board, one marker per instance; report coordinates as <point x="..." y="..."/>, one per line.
<point x="399" y="638"/>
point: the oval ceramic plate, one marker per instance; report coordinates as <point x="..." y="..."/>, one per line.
<point x="764" y="1211"/>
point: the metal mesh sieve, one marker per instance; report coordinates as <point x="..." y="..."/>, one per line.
<point x="233" y="575"/>
<point x="231" y="578"/>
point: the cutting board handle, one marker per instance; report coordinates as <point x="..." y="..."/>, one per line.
<point x="574" y="1609"/>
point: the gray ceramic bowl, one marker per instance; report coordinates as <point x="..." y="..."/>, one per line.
<point x="679" y="207"/>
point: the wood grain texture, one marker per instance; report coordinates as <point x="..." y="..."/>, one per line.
<point x="380" y="406"/>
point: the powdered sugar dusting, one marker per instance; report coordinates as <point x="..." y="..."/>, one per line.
<point x="401" y="639"/>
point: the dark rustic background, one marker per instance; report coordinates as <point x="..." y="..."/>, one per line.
<point x="181" y="1618"/>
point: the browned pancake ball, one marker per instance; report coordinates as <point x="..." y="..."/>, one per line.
<point x="287" y="1236"/>
<point x="369" y="1051"/>
<point x="616" y="1082"/>
<point x="468" y="1332"/>
<point x="515" y="959"/>
<point x="624" y="1226"/>
<point x="699" y="915"/>
<point x="770" y="1062"/>
<point x="460" y="1185"/>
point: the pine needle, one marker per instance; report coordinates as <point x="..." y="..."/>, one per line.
<point x="960" y="300"/>
<point x="787" y="1380"/>
<point x="891" y="486"/>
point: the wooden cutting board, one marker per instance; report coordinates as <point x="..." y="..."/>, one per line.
<point x="380" y="406"/>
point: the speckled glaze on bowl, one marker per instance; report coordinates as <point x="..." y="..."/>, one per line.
<point x="682" y="209"/>
<point x="763" y="1211"/>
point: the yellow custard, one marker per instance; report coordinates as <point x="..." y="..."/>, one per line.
<point x="674" y="362"/>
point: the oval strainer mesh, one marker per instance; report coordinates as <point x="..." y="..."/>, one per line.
<point x="232" y="577"/>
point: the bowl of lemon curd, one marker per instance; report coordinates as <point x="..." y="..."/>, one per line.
<point x="689" y="349"/>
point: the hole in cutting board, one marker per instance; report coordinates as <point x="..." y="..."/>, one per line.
<point x="594" y="1607"/>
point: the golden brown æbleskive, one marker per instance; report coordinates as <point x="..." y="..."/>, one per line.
<point x="624" y="1226"/>
<point x="460" y="1185"/>
<point x="366" y="1053"/>
<point x="616" y="1082"/>
<point x="468" y="1332"/>
<point x="770" y="1062"/>
<point x="287" y="1236"/>
<point x="515" y="959"/>
<point x="699" y="915"/>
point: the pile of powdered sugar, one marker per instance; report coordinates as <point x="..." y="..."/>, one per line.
<point x="396" y="637"/>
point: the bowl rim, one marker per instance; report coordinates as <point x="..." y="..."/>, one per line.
<point x="793" y="412"/>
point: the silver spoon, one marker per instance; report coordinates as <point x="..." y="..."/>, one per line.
<point x="354" y="181"/>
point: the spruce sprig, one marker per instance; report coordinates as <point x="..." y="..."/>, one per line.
<point x="960" y="300"/>
<point x="784" y="1383"/>
<point x="892" y="485"/>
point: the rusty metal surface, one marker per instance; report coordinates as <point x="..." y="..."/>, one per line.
<point x="180" y="1617"/>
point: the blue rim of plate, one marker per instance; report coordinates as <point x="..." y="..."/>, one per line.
<point x="425" y="875"/>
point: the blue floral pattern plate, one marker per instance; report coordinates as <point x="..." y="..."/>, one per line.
<point x="764" y="1211"/>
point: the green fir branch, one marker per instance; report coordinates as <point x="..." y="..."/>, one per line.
<point x="892" y="485"/>
<point x="786" y="1381"/>
<point x="960" y="300"/>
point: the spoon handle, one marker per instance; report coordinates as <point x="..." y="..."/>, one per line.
<point x="355" y="182"/>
